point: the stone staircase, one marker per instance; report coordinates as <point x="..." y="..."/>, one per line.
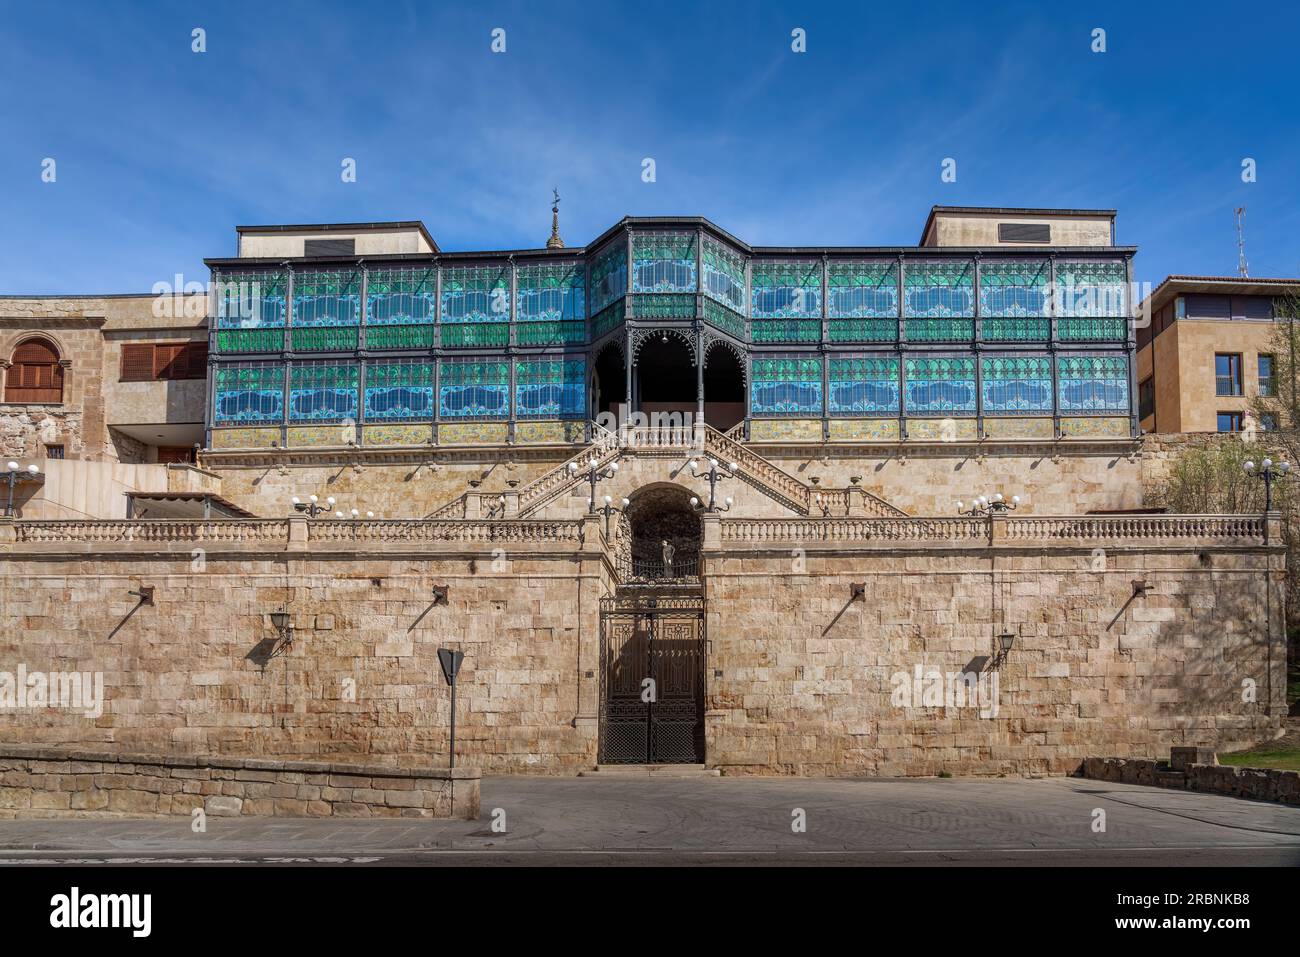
<point x="702" y="441"/>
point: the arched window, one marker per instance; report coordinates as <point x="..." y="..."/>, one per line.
<point x="35" y="375"/>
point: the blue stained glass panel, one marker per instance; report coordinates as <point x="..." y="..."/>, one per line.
<point x="940" y="385"/>
<point x="550" y="388"/>
<point x="786" y="386"/>
<point x="327" y="298"/>
<point x="1093" y="384"/>
<point x="864" y="386"/>
<point x="474" y="389"/>
<point x="401" y="297"/>
<point x="1016" y="384"/>
<point x="248" y="394"/>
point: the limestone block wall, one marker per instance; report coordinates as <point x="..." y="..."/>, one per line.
<point x="801" y="676"/>
<point x="414" y="488"/>
<point x="46" y="782"/>
<point x="202" y="670"/>
<point x="806" y="680"/>
<point x="929" y="481"/>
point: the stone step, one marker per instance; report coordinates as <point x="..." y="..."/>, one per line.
<point x="650" y="771"/>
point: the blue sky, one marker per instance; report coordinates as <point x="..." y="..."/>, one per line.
<point x="160" y="151"/>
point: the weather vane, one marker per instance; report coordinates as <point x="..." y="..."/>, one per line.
<point x="555" y="193"/>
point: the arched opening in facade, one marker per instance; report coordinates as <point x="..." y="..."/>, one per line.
<point x="664" y="535"/>
<point x="724" y="388"/>
<point x="35" y="374"/>
<point x="608" y="382"/>
<point x="665" y="377"/>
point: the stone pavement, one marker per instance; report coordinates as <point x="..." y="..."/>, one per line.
<point x="722" y="820"/>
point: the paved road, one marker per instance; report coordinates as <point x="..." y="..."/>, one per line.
<point x="722" y="821"/>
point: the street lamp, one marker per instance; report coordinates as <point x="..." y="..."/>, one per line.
<point x="312" y="506"/>
<point x="715" y="473"/>
<point x="13" y="475"/>
<point x="609" y="508"/>
<point x="1269" y="473"/>
<point x="983" y="506"/>
<point x="594" y="475"/>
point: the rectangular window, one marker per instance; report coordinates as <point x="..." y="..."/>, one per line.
<point x="1266" y="376"/>
<point x="1146" y="398"/>
<point x="1227" y="373"/>
<point x="1229" y="421"/>
<point x="54" y="451"/>
<point x="1268" y="422"/>
<point x="155" y="362"/>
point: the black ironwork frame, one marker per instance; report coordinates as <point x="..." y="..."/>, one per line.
<point x="659" y="638"/>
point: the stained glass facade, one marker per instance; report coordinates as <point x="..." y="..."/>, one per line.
<point x="1016" y="384"/>
<point x="1098" y="384"/>
<point x="323" y="391"/>
<point x="399" y="390"/>
<point x="474" y="389"/>
<point x="1011" y="288"/>
<point x="248" y="393"/>
<point x="663" y="262"/>
<point x="476" y="305"/>
<point x="864" y="385"/>
<point x="724" y="273"/>
<point x="550" y="304"/>
<point x="941" y="385"/>
<point x="507" y="337"/>
<point x="608" y="275"/>
<point x="862" y="290"/>
<point x="786" y="385"/>
<point x="551" y="388"/>
<point x="785" y="289"/>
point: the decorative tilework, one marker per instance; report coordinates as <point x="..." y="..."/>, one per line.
<point x="864" y="430"/>
<point x="304" y="436"/>
<point x="1019" y="428"/>
<point x="245" y="438"/>
<point x="1094" y="427"/>
<point x="785" y="430"/>
<point x="472" y="433"/>
<point x="553" y="431"/>
<point x="942" y="430"/>
<point x="379" y="435"/>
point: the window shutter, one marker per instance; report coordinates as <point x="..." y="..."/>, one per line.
<point x="198" y="360"/>
<point x="137" y="363"/>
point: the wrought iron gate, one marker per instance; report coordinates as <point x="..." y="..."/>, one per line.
<point x="652" y="680"/>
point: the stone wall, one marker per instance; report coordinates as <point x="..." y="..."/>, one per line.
<point x="800" y="678"/>
<point x="1258" y="784"/>
<point x="804" y="679"/>
<point x="203" y="671"/>
<point x="43" y="782"/>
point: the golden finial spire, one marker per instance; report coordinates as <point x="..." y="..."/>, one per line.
<point x="555" y="242"/>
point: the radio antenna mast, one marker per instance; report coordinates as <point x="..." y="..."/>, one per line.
<point x="1243" y="269"/>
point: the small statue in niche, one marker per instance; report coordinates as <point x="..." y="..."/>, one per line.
<point x="668" y="551"/>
